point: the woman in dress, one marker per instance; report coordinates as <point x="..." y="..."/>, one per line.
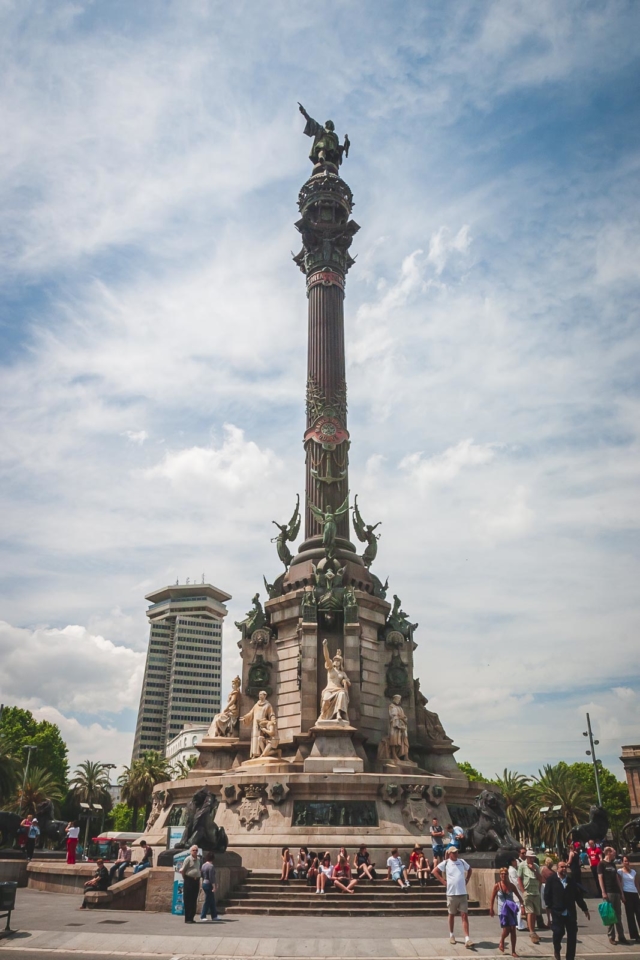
<point x="334" y="704"/>
<point x="505" y="891"/>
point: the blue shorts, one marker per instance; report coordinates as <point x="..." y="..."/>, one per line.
<point x="438" y="849"/>
<point x="396" y="875"/>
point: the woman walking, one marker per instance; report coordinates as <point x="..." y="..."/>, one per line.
<point x="72" y="831"/>
<point x="506" y="892"/>
<point x="629" y="881"/>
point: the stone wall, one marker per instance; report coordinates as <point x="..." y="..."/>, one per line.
<point x="59" y="877"/>
<point x="15" y="870"/>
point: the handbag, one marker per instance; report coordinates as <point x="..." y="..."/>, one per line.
<point x="607" y="913"/>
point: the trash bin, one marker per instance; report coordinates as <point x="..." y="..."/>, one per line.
<point x="8" y="890"/>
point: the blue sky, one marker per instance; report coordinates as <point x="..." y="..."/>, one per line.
<point x="152" y="328"/>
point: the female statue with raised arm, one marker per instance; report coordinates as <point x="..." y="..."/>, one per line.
<point x="334" y="703"/>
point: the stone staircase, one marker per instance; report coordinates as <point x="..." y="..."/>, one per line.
<point x="262" y="893"/>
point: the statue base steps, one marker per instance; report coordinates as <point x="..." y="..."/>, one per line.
<point x="333" y="750"/>
<point x="219" y="754"/>
<point x="265" y="765"/>
<point x="398" y="766"/>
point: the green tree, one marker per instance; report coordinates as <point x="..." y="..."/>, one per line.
<point x="470" y="771"/>
<point x="517" y="795"/>
<point x="90" y="781"/>
<point x="39" y="785"/>
<point x="556" y="786"/>
<point x="182" y="769"/>
<point x="19" y="727"/>
<point x="120" y="817"/>
<point x="8" y="771"/>
<point x="138" y="781"/>
<point x="615" y="795"/>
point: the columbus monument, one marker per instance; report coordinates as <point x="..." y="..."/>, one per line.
<point x="327" y="728"/>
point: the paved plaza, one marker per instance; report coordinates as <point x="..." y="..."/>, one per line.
<point x="52" y="924"/>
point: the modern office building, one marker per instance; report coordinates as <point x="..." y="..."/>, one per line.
<point x="184" y="663"/>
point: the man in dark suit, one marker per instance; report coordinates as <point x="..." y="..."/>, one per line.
<point x="561" y="894"/>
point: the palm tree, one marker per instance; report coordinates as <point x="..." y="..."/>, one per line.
<point x="183" y="768"/>
<point x="154" y="768"/>
<point x="90" y="782"/>
<point x="556" y="786"/>
<point x="517" y="796"/>
<point x="8" y="771"/>
<point x="131" y="792"/>
<point x="39" y="785"/>
<point x="140" y="778"/>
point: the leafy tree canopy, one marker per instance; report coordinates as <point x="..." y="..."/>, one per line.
<point x="120" y="817"/>
<point x="19" y="727"/>
<point x="470" y="771"/>
<point x="615" y="795"/>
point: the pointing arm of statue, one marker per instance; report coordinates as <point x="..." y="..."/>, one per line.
<point x="327" y="659"/>
<point x="303" y="111"/>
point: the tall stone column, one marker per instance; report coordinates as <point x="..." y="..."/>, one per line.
<point x="325" y="204"/>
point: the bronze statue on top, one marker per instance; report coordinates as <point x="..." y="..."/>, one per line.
<point x="326" y="146"/>
<point x="288" y="531"/>
<point x="329" y="525"/>
<point x="364" y="533"/>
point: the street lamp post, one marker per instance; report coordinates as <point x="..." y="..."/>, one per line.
<point x="592" y="753"/>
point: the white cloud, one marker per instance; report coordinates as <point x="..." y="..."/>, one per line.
<point x="70" y="670"/>
<point x="136" y="436"/>
<point x="511" y="518"/>
<point x="445" y="467"/>
<point x="237" y="463"/>
<point x="442" y="245"/>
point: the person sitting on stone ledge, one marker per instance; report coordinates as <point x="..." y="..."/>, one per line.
<point x="325" y="875"/>
<point x="314" y="867"/>
<point x="287" y="865"/>
<point x="396" y="870"/>
<point x="302" y="864"/>
<point x="147" y="857"/>
<point x="418" y="863"/>
<point x="123" y="861"/>
<point x="362" y="864"/>
<point x="342" y="877"/>
<point x="99" y="881"/>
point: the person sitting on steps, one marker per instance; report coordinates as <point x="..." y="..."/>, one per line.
<point x="419" y="864"/>
<point x="342" y="877"/>
<point x="396" y="870"/>
<point x="325" y="875"/>
<point x="287" y="865"/>
<point x="362" y="864"/>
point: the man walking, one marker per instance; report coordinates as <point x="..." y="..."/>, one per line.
<point x="561" y="893"/>
<point x="457" y="872"/>
<point x="437" y="840"/>
<point x="190" y="870"/>
<point x="529" y="881"/>
<point x="611" y="888"/>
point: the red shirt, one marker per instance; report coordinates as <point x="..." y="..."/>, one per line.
<point x="594" y="854"/>
<point x="416" y="856"/>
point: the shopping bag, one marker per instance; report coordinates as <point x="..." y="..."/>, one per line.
<point x="607" y="913"/>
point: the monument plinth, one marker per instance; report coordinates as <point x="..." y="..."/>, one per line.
<point x="327" y="729"/>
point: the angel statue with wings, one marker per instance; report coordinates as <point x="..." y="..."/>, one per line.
<point x="327" y="520"/>
<point x="288" y="531"/>
<point x="364" y="533"/>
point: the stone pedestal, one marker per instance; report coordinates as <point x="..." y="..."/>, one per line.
<point x="333" y="750"/>
<point x="264" y="765"/>
<point x="219" y="754"/>
<point x="398" y="766"/>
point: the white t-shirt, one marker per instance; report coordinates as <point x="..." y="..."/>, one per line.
<point x="73" y="833"/>
<point x="328" y="871"/>
<point x="395" y="864"/>
<point x="628" y="881"/>
<point x="454" y="871"/>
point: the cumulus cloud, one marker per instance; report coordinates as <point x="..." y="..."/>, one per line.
<point x="444" y="467"/>
<point x="236" y="463"/>
<point x="69" y="669"/>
